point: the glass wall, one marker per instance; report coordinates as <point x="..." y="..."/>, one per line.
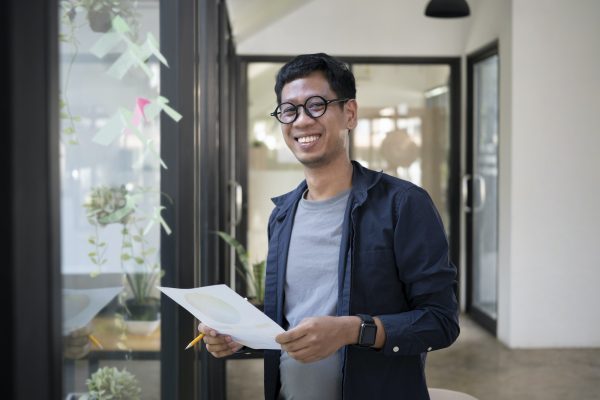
<point x="485" y="186"/>
<point x="272" y="168"/>
<point x="110" y="166"/>
<point x="404" y="125"/>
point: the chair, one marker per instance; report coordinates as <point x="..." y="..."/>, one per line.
<point x="445" y="394"/>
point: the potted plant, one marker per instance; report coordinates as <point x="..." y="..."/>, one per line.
<point x="114" y="384"/>
<point x="100" y="13"/>
<point x="138" y="260"/>
<point x="252" y="273"/>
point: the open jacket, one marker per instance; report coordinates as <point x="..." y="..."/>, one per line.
<point x="393" y="264"/>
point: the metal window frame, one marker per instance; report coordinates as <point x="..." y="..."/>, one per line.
<point x="484" y="320"/>
<point x="31" y="161"/>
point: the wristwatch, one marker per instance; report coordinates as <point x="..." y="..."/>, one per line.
<point x="368" y="331"/>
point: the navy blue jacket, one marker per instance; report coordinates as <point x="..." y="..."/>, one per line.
<point x="393" y="264"/>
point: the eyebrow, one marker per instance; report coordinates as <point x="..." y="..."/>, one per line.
<point x="306" y="98"/>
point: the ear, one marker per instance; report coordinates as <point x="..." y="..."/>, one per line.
<point x="351" y="113"/>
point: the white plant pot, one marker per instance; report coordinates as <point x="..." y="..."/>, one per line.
<point x="144" y="328"/>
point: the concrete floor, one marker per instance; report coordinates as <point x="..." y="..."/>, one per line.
<point x="481" y="366"/>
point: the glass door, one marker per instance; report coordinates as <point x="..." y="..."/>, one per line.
<point x="405" y="129"/>
<point x="480" y="187"/>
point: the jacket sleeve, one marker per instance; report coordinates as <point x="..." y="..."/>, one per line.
<point x="429" y="279"/>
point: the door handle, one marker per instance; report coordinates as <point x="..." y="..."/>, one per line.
<point x="482" y="193"/>
<point x="238" y="195"/>
<point x="465" y="192"/>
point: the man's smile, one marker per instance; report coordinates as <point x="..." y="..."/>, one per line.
<point x="308" y="139"/>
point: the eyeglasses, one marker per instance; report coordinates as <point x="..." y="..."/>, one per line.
<point x="314" y="107"/>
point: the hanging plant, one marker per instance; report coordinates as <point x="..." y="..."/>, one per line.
<point x="100" y="13"/>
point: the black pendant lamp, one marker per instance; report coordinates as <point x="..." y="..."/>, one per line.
<point x="447" y="9"/>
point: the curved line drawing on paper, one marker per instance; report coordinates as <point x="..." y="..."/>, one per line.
<point x="214" y="308"/>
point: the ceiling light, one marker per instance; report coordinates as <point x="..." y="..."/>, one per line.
<point x="447" y="9"/>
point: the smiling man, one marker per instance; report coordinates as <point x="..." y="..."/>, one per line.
<point x="358" y="271"/>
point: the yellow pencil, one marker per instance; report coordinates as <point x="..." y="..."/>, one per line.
<point x="94" y="340"/>
<point x="196" y="340"/>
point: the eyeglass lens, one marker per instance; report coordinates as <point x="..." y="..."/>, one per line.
<point x="314" y="107"/>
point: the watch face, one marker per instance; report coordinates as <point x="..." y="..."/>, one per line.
<point x="368" y="333"/>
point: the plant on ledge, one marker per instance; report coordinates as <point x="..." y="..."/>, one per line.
<point x="112" y="383"/>
<point x="138" y="260"/>
<point x="252" y="273"/>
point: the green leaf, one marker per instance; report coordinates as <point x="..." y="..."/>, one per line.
<point x="149" y="251"/>
<point x="139" y="260"/>
<point x="125" y="257"/>
<point x="137" y="238"/>
<point x="239" y="248"/>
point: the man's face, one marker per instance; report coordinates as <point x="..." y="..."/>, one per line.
<point x="317" y="141"/>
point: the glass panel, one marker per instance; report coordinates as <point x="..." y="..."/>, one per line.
<point x="110" y="195"/>
<point x="272" y="168"/>
<point x="485" y="184"/>
<point x="403" y="126"/>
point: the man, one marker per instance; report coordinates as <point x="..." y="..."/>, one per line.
<point x="357" y="270"/>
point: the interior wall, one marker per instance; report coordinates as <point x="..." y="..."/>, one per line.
<point x="555" y="185"/>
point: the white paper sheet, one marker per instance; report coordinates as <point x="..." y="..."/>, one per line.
<point x="228" y="313"/>
<point x="81" y="305"/>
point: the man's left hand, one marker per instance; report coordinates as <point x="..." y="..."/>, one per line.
<point x="316" y="338"/>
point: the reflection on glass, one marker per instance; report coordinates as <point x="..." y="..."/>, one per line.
<point x="403" y="126"/>
<point x="110" y="193"/>
<point x="485" y="207"/>
<point x="272" y="168"/>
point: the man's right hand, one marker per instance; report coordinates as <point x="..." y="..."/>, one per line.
<point x="218" y="345"/>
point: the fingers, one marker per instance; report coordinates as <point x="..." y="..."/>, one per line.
<point x="291" y="335"/>
<point x="207" y="330"/>
<point x="218" y="345"/>
<point x="221" y="346"/>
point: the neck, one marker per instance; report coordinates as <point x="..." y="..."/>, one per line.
<point x="329" y="180"/>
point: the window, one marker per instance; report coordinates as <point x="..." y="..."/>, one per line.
<point x="111" y="200"/>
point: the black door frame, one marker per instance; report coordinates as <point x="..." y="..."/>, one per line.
<point x="455" y="130"/>
<point x="31" y="243"/>
<point x="488" y="323"/>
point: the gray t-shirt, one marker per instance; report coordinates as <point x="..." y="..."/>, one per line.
<point x="311" y="289"/>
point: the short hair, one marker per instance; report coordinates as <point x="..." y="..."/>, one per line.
<point x="338" y="75"/>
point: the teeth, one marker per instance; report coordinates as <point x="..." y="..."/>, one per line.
<point x="308" y="139"/>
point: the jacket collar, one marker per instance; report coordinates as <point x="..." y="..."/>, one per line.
<point x="363" y="179"/>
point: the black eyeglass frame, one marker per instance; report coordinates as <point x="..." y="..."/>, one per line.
<point x="306" y="110"/>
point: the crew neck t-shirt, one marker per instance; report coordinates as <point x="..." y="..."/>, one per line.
<point x="311" y="289"/>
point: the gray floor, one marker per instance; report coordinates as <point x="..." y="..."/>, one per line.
<point x="481" y="366"/>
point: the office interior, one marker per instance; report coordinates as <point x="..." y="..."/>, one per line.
<point x="131" y="141"/>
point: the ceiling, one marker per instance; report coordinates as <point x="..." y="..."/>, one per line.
<point x="246" y="21"/>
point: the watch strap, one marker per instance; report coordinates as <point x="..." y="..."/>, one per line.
<point x="368" y="331"/>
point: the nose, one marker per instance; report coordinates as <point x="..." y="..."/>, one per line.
<point x="303" y="116"/>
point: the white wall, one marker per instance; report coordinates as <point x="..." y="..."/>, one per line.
<point x="555" y="184"/>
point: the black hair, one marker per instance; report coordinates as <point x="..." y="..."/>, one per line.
<point x="340" y="78"/>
